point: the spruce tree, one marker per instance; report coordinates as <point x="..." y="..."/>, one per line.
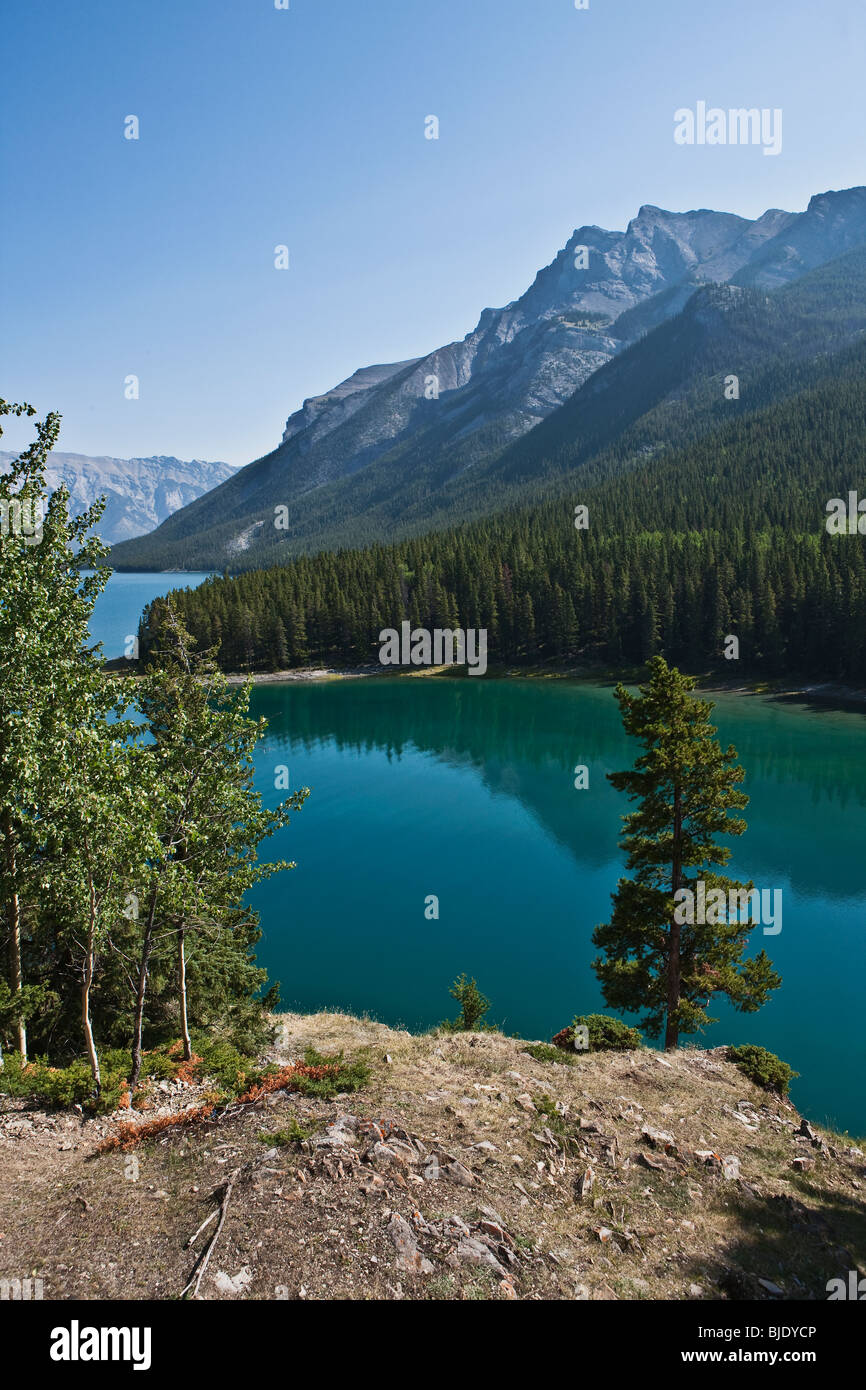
<point x="688" y="790"/>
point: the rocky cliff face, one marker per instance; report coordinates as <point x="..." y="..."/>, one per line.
<point x="413" y="427"/>
<point x="140" y="493"/>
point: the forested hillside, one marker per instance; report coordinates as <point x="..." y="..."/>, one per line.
<point x="724" y="536"/>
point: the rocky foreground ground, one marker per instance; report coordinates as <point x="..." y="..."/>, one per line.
<point x="464" y="1169"/>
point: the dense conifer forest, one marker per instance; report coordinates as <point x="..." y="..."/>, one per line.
<point x="727" y="535"/>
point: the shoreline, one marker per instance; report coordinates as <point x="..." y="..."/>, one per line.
<point x="827" y="694"/>
<point x="831" y="693"/>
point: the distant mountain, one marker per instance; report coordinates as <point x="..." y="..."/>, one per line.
<point x="140" y="493"/>
<point x="400" y="447"/>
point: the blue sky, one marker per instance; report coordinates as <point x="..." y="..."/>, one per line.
<point x="305" y="127"/>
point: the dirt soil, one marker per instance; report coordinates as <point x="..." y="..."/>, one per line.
<point x="464" y="1169"/>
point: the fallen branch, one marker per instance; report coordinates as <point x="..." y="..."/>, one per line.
<point x="202" y="1262"/>
<point x="208" y="1219"/>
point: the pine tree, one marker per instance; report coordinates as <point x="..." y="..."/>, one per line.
<point x="688" y="790"/>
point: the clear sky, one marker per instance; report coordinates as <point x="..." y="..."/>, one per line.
<point x="305" y="127"/>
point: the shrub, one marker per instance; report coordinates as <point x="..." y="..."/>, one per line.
<point x="762" y="1067"/>
<point x="293" y="1133"/>
<point x="544" y="1052"/>
<point x="606" y="1034"/>
<point x="69" y="1085"/>
<point x="473" y="1007"/>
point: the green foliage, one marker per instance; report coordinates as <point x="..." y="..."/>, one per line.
<point x="233" y="1069"/>
<point x="723" y="535"/>
<point x="128" y="832"/>
<point x="605" y="1034"/>
<point x="687" y="790"/>
<point x="545" y="1052"/>
<point x="348" y="1076"/>
<point x="473" y="1007"/>
<point x="762" y="1067"/>
<point x="291" y="1134"/>
<point x="69" y="1085"/>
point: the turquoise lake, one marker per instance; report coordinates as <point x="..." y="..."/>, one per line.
<point x="465" y="789"/>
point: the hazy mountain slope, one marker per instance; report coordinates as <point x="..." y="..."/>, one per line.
<point x="140" y="493"/>
<point x="383" y="451"/>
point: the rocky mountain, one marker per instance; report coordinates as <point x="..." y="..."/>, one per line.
<point x="393" y="438"/>
<point x="140" y="493"/>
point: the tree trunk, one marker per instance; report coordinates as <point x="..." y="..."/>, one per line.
<point x="16" y="977"/>
<point x="672" y="1031"/>
<point x="86" y="987"/>
<point x="181" y="985"/>
<point x="144" y="965"/>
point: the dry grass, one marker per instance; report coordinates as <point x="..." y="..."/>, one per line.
<point x="317" y="1220"/>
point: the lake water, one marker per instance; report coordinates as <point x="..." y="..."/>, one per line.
<point x="465" y="789"/>
<point x="118" y="609"/>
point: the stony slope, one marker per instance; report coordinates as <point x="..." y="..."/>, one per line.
<point x="465" y="1168"/>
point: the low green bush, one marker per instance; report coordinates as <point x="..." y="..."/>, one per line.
<point x="763" y="1067"/>
<point x="605" y="1034"/>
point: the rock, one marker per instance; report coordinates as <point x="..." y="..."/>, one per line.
<point x="731" y="1167"/>
<point x="409" y="1257"/>
<point x="585" y="1183"/>
<point x="526" y="1103"/>
<point x="383" y="1153"/>
<point x="497" y="1232"/>
<point x="458" y="1173"/>
<point x="476" y="1252"/>
<point x="646" y="1162"/>
<point x="658" y="1138"/>
<point x="486" y="1146"/>
<point x="230" y="1285"/>
<point x="770" y="1286"/>
<point x="801" y="1165"/>
<point x="696" y="1291"/>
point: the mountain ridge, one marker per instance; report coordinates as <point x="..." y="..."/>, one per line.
<point x="140" y="492"/>
<point x="420" y="423"/>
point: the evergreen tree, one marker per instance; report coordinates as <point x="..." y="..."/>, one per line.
<point x="689" y="792"/>
<point x="210" y="823"/>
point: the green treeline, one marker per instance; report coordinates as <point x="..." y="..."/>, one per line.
<point x="725" y="536"/>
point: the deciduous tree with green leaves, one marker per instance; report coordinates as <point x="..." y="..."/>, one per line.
<point x="51" y="688"/>
<point x="688" y="790"/>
